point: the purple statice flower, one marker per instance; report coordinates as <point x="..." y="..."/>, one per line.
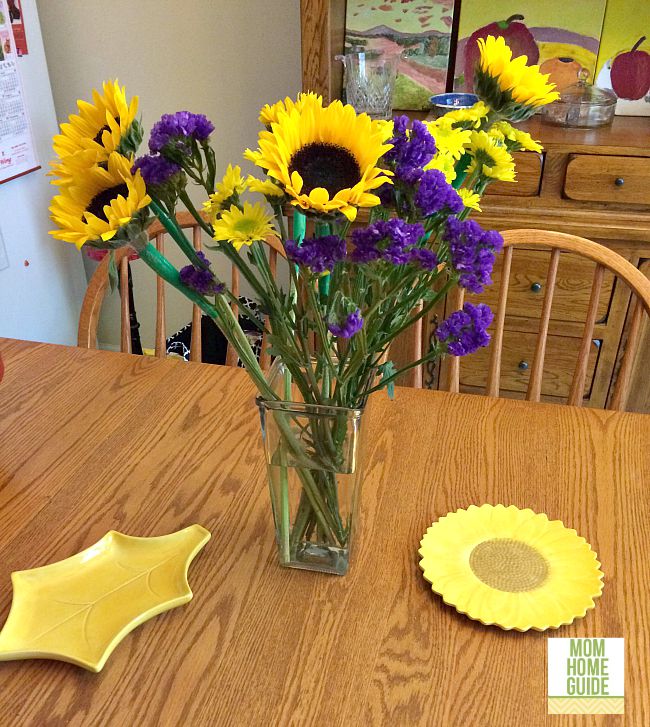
<point x="436" y="194"/>
<point x="155" y="169"/>
<point x="411" y="151"/>
<point x="177" y="129"/>
<point x="201" y="279"/>
<point x="473" y="251"/>
<point x="390" y="240"/>
<point x="352" y="324"/>
<point x="465" y="331"/>
<point x="425" y="258"/>
<point x="319" y="254"/>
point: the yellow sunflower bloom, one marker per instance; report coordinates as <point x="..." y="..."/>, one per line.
<point x="227" y="191"/>
<point x="490" y="159"/>
<point x="106" y="125"/>
<point x="470" y="199"/>
<point x="271" y="112"/>
<point x="445" y="163"/>
<point x="243" y="226"/>
<point x="325" y="158"/>
<point x="508" y="85"/>
<point x="448" y="138"/>
<point x="265" y="187"/>
<point x="516" y="139"/>
<point x="99" y="202"/>
<point x="471" y="117"/>
<point x="511" y="568"/>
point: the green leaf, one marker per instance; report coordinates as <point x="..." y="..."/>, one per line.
<point x="112" y="271"/>
<point x="387" y="370"/>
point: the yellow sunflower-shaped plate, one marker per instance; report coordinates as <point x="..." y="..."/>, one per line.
<point x="511" y="568"/>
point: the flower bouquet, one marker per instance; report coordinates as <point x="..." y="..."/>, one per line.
<point x="354" y="285"/>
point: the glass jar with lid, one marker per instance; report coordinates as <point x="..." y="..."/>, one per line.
<point x="582" y="105"/>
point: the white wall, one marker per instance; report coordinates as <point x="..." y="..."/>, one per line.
<point x="224" y="58"/>
<point x="42" y="287"/>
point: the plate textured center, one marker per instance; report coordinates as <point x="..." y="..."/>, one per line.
<point x="508" y="565"/>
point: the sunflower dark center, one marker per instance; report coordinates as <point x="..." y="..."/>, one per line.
<point x="106" y="196"/>
<point x="106" y="127"/>
<point x="325" y="165"/>
<point x="98" y="137"/>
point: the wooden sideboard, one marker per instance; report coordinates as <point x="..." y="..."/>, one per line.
<point x="592" y="183"/>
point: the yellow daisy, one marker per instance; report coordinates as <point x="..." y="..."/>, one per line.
<point x="325" y="158"/>
<point x="470" y="199"/>
<point x="445" y="163"/>
<point x="106" y="125"/>
<point x="99" y="202"/>
<point x="271" y="112"/>
<point x="265" y="187"/>
<point x="508" y="85"/>
<point x="227" y="191"/>
<point x="516" y="139"/>
<point x="490" y="159"/>
<point x="243" y="226"/>
<point x="471" y="117"/>
<point x="448" y="138"/>
<point x="512" y="568"/>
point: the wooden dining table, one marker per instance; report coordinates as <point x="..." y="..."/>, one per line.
<point x="92" y="441"/>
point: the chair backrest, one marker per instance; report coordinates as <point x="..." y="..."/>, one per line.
<point x="605" y="259"/>
<point x="98" y="284"/>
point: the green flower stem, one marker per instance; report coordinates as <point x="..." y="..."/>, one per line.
<point x="461" y="170"/>
<point x="222" y="314"/>
<point x="179" y="237"/>
<point x="323" y="229"/>
<point x="185" y="198"/>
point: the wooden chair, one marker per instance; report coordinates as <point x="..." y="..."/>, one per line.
<point x="96" y="292"/>
<point x="605" y="259"/>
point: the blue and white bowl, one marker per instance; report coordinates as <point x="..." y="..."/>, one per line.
<point x="443" y="102"/>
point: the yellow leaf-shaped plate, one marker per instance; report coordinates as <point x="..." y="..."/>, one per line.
<point x="79" y="609"/>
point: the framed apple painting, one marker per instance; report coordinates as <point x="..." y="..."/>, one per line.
<point x="562" y="37"/>
<point x="624" y="58"/>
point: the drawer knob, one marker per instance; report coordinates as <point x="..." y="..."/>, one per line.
<point x="619" y="181"/>
<point x="523" y="365"/>
<point x="536" y="287"/>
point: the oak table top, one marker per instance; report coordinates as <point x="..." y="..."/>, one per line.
<point x="92" y="441"/>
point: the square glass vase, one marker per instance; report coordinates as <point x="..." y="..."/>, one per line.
<point x="314" y="472"/>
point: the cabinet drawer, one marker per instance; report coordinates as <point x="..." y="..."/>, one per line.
<point x="529" y="174"/>
<point x="517" y="360"/>
<point x="624" y="180"/>
<point x="528" y="284"/>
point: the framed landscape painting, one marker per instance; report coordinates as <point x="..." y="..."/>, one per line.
<point x="419" y="28"/>
<point x="563" y="38"/>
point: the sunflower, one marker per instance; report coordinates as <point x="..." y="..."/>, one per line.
<point x="471" y="200"/>
<point x="228" y="191"/>
<point x="243" y="226"/>
<point x="448" y="138"/>
<point x="265" y="187"/>
<point x="106" y="125"/>
<point x="490" y="159"/>
<point x="99" y="202"/>
<point x="508" y="85"/>
<point x="270" y="113"/>
<point x="470" y="118"/>
<point x="515" y="139"/>
<point x="325" y="158"/>
<point x="510" y="567"/>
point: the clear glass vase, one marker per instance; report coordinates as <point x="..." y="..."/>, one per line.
<point x="314" y="471"/>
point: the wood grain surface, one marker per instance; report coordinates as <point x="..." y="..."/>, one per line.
<point x="91" y="440"/>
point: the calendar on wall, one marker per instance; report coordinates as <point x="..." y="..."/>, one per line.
<point x="17" y="153"/>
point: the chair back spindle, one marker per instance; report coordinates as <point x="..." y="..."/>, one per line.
<point x="98" y="285"/>
<point x="605" y="260"/>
